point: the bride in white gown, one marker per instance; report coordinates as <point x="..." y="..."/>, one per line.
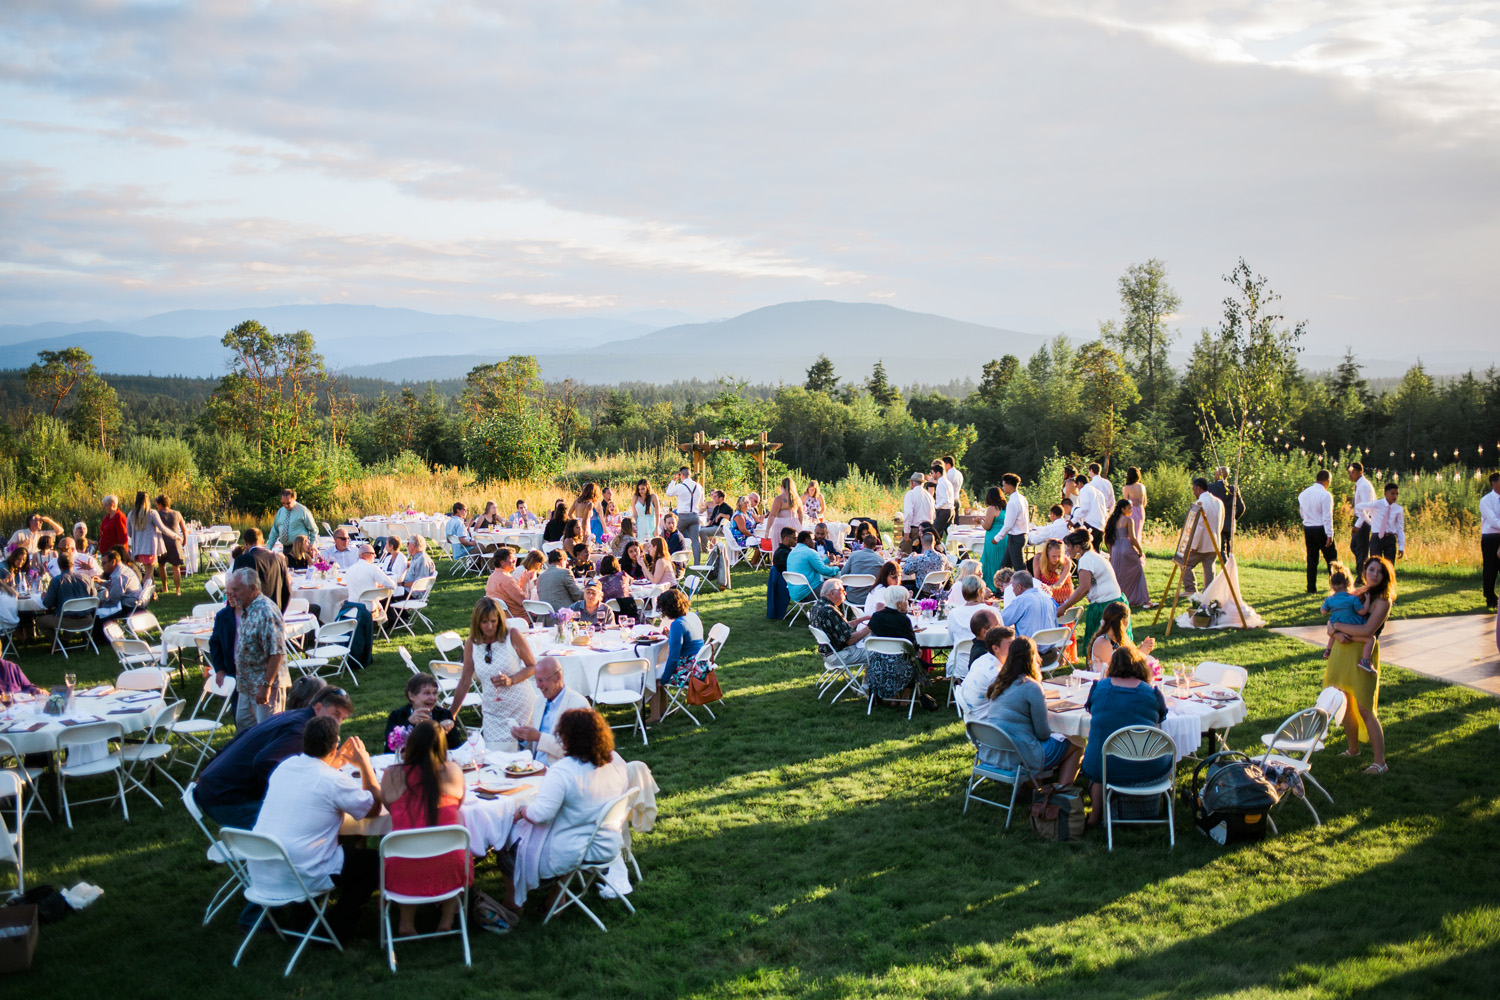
<point x="502" y="660"/>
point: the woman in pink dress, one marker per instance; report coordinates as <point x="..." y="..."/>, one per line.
<point x="1135" y="492"/>
<point x="424" y="791"/>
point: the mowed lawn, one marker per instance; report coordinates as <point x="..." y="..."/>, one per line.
<point x="803" y="850"/>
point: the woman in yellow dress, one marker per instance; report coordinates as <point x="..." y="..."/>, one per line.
<point x="1361" y="687"/>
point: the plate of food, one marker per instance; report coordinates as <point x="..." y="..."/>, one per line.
<point x="493" y="784"/>
<point x="524" y="769"/>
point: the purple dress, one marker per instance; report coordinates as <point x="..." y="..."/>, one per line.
<point x="1128" y="567"/>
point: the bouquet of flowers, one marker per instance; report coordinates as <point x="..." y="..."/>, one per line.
<point x="396" y="742"/>
<point x="927" y="606"/>
<point x="1204" y="615"/>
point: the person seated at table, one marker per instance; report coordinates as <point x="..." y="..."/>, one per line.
<point x="807" y="560"/>
<point x="1052" y="568"/>
<point x="43" y="558"/>
<point x="557" y="698"/>
<point x="684" y="639"/>
<point x="422" y="696"/>
<point x="572" y="534"/>
<point x="582" y="564"/>
<point x="844" y="636"/>
<point x="364" y="576"/>
<point x="10" y="602"/>
<point x="787" y="542"/>
<point x="553" y="832"/>
<point x="12" y="679"/>
<point x="592" y="608"/>
<point x="419" y="565"/>
<point x="1114" y="632"/>
<point x="67" y="586"/>
<point x="556" y="585"/>
<point x="122" y="589"/>
<point x="993" y="646"/>
<point x="81" y="537"/>
<point x="531" y="567"/>
<point x="1029" y="610"/>
<point x="489" y="520"/>
<point x="926" y="558"/>
<point x="662" y="570"/>
<point x="631" y="562"/>
<point x="616" y="584"/>
<point x="552" y="531"/>
<point x="823" y="543"/>
<point x="82" y="561"/>
<point x="862" y="561"/>
<point x="27" y="537"/>
<point x="888" y="674"/>
<point x="970" y="590"/>
<point x="1057" y="526"/>
<point x="719" y="511"/>
<point x="523" y="518"/>
<point x="342" y="554"/>
<point x="1015" y="704"/>
<point x="456" y="532"/>
<point x="742" y="524"/>
<point x="888" y="576"/>
<point x="307" y="798"/>
<point x="233" y="783"/>
<point x="965" y="569"/>
<point x="393" y="561"/>
<point x="1123" y="697"/>
<point x="669" y="533"/>
<point x="300" y="556"/>
<point x="503" y="586"/>
<point x="626" y="537"/>
<point x="425" y="790"/>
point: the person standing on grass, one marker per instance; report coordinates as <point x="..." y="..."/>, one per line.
<point x="292" y="519"/>
<point x="1201" y="546"/>
<point x="1316" y="506"/>
<point x="1361" y="684"/>
<point x="1359" y="534"/>
<point x="1221" y="488"/>
<point x="112" y="530"/>
<point x="259" y="651"/>
<point x="1387" y="524"/>
<point x="1012" y="534"/>
<point x="1489" y="538"/>
<point x="689" y="495"/>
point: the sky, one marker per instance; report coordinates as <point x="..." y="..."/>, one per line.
<point x="997" y="162"/>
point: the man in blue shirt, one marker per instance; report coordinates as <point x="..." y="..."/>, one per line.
<point x="233" y="785"/>
<point x="1029" y="610"/>
<point x="810" y="563"/>
<point x="456" y="532"/>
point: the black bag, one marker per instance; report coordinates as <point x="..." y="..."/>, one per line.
<point x="50" y="904"/>
<point x="1231" y="802"/>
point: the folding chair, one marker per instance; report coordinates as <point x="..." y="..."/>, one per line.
<point x="538" y="610"/>
<point x="447" y="674"/>
<point x="1225" y="675"/>
<point x="935" y="584"/>
<point x="130" y="652"/>
<point x="413" y="604"/>
<point x="375" y="601"/>
<point x="197" y="730"/>
<point x="574" y="886"/>
<point x="248" y="848"/>
<point x="142" y="624"/>
<point x="73" y="769"/>
<point x="448" y="643"/>
<point x="708" y="657"/>
<point x="209" y="610"/>
<point x="855" y="581"/>
<point x="75" y="617"/>
<point x="428" y="842"/>
<point x="410" y="663"/>
<point x="627" y="687"/>
<point x="1303" y="732"/>
<point x="11" y="847"/>
<point x="987" y="737"/>
<point x="836" y="668"/>
<point x="143" y="679"/>
<point x="1057" y="638"/>
<point x="706" y="572"/>
<point x="896" y="647"/>
<point x="298" y="606"/>
<point x="7" y="639"/>
<point x="146" y="757"/>
<point x="330" y="649"/>
<point x="218" y="854"/>
<point x="798" y="606"/>
<point x="27" y="775"/>
<point x="958" y="656"/>
<point x="1141" y="744"/>
<point x="214" y="586"/>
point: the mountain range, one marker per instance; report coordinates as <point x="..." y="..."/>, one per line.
<point x="771" y="344"/>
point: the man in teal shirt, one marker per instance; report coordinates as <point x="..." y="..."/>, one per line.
<point x="810" y="563"/>
<point x="291" y="520"/>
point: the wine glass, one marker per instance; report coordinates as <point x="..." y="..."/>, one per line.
<point x="71" y="680"/>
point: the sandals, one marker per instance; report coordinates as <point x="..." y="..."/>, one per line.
<point x="1375" y="769"/>
<point x="1350" y="753"/>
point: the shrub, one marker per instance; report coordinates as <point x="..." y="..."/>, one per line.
<point x="520" y="445"/>
<point x="163" y="459"/>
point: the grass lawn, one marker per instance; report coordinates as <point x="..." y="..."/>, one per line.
<point x="804" y="850"/>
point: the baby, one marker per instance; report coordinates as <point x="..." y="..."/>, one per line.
<point x="1345" y="608"/>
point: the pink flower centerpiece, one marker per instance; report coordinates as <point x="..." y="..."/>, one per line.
<point x="927" y="606"/>
<point x="396" y="742"/>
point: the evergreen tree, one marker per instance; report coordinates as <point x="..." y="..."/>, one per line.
<point x="880" y="388"/>
<point x="821" y="377"/>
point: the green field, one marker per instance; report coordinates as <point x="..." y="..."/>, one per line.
<point x="804" y="850"/>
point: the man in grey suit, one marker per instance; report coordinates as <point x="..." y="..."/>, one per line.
<point x="556" y="585"/>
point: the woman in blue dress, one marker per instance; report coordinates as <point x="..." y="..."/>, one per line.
<point x="684" y="639"/>
<point x="1124" y="697"/>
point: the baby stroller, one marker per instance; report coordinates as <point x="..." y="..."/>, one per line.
<point x="1230" y="798"/>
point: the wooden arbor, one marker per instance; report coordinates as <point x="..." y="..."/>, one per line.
<point x="701" y="446"/>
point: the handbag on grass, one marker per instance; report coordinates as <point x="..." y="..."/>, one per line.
<point x="1057" y="813"/>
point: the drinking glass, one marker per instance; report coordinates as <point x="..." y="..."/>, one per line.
<point x="71" y="680"/>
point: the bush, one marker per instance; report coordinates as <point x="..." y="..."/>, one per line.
<point x="163" y="459"/>
<point x="512" y="446"/>
<point x="405" y="464"/>
<point x="220" y="453"/>
<point x="1168" y="494"/>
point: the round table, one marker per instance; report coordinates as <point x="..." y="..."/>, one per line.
<point x="1188" y="719"/>
<point x="328" y="595"/>
<point x="524" y="539"/>
<point x="581" y="664"/>
<point x="404" y="527"/>
<point x="189" y="633"/>
<point x="31" y="731"/>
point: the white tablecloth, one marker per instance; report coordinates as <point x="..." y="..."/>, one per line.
<point x="188" y="632"/>
<point x="969" y="537"/>
<point x="404" y="527"/>
<point x="1186" y="722"/>
<point x="133" y="710"/>
<point x="328" y="595"/>
<point x="525" y="540"/>
<point x="581" y="664"/>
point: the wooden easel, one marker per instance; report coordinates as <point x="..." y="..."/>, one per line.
<point x="1179" y="561"/>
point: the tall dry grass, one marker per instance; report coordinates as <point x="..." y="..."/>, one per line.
<point x="1429" y="545"/>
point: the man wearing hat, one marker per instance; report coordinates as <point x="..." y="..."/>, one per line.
<point x="917" y="508"/>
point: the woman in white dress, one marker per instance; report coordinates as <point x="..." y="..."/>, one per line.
<point x="785" y="512"/>
<point x="502" y="660"/>
<point x="645" y="505"/>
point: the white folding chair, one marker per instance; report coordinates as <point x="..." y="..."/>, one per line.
<point x="935" y="584"/>
<point x="708" y="658"/>
<point x="87" y="764"/>
<point x="447" y="673"/>
<point x="375" y="600"/>
<point x="413" y="604"/>
<point x="836" y="668"/>
<point x="410" y="663"/>
<point x="1141" y="744"/>
<point x="428" y="842"/>
<point x="1057" y="639"/>
<point x="330" y="649"/>
<point x="261" y="848"/>
<point x="142" y="624"/>
<point x="1303" y="732"/>
<point x="895" y="647"/>
<point x="987" y="737"/>
<point x="448" y="643"/>
<point x="574" y="886"/>
<point x="627" y="686"/>
<point x="75" y="617"/>
<point x="26" y="775"/>
<point x="957" y="668"/>
<point x="145" y="759"/>
<point x="218" y="854"/>
<point x="855" y="581"/>
<point x="197" y="730"/>
<point x="538" y="610"/>
<point x="209" y="610"/>
<point x="143" y="679"/>
<point x="1225" y="675"/>
<point x="7" y="639"/>
<point x="214" y="585"/>
<point x="130" y="652"/>
<point x="798" y="606"/>
<point x="12" y="850"/>
<point x="298" y="606"/>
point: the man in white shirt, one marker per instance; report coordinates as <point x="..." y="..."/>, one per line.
<point x="364" y="575"/>
<point x="342" y="555"/>
<point x="916" y="507"/>
<point x="1088" y="509"/>
<point x="82" y="561"/>
<point x="1201" y="548"/>
<point x="1012" y="533"/>
<point x="1489" y="538"/>
<point x="954" y="477"/>
<point x="1316" y="506"/>
<point x="1057" y="525"/>
<point x="306" y="801"/>
<point x="1104" y="486"/>
<point x="1359" y="535"/>
<point x="523" y="518"/>
<point x="984" y="670"/>
<point x="689" y="496"/>
<point x="1387" y="524"/>
<point x="542" y="737"/>
<point x="943" y="500"/>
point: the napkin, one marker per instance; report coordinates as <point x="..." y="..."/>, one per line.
<point x="1064" y="706"/>
<point x="82" y="721"/>
<point x="24" y="729"/>
<point x="96" y="692"/>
